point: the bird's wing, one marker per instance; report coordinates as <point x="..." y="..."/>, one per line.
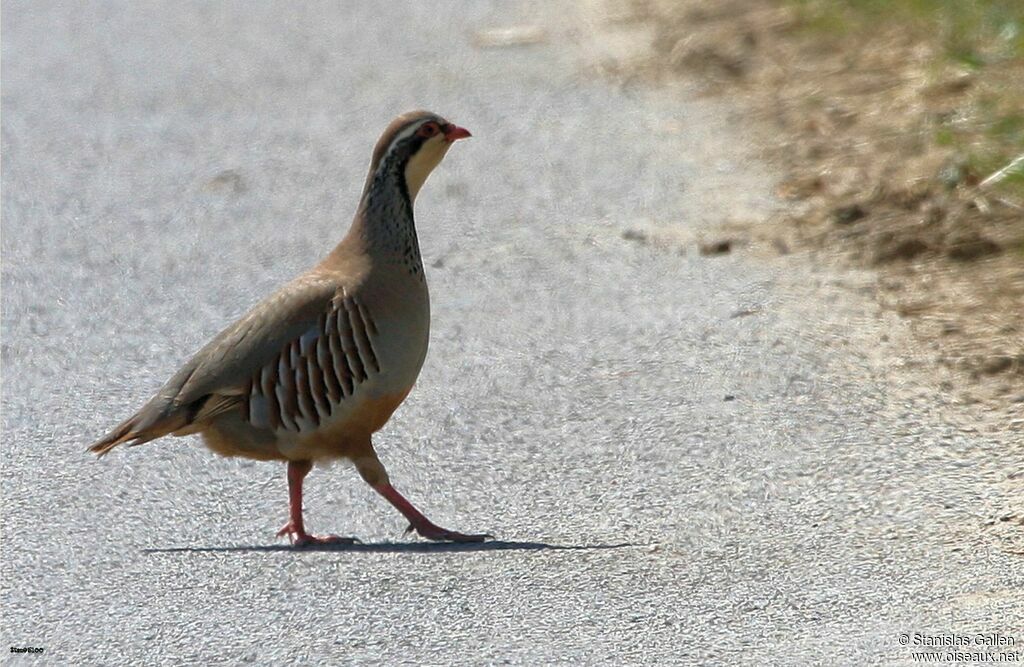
<point x="313" y="373"/>
<point x="220" y="376"/>
<point x="229" y="360"/>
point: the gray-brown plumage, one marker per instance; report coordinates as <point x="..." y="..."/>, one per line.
<point x="311" y="372"/>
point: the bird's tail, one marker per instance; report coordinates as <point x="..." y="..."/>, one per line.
<point x="162" y="415"/>
<point x="134" y="431"/>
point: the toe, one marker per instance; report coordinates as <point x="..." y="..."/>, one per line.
<point x="306" y="540"/>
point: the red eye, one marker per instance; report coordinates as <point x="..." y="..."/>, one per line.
<point x="428" y="130"/>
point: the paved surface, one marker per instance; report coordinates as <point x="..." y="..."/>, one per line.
<point x="165" y="165"/>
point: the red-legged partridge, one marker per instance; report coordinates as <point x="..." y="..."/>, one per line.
<point x="314" y="370"/>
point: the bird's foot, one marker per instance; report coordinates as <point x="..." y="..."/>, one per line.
<point x="438" y="534"/>
<point x="300" y="538"/>
<point x="421" y="524"/>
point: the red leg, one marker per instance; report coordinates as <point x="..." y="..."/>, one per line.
<point x="420" y="523"/>
<point x="294" y="529"/>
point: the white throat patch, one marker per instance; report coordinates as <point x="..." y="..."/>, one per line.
<point x="423" y="162"/>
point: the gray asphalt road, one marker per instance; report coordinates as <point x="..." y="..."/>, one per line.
<point x="166" y="164"/>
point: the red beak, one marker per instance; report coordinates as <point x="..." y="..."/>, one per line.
<point x="453" y="132"/>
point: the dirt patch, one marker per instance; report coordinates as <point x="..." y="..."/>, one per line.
<point x="890" y="151"/>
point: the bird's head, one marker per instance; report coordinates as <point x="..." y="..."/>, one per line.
<point x="413" y="144"/>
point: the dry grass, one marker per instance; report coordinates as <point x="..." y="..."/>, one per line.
<point x="887" y="118"/>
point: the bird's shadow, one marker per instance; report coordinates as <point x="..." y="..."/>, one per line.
<point x="395" y="547"/>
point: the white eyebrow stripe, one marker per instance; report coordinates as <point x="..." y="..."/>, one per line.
<point x="403" y="135"/>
